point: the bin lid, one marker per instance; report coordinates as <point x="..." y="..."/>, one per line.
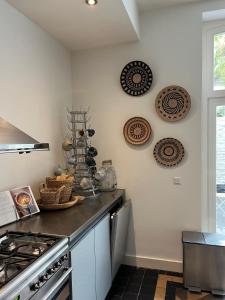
<point x="214" y="239"/>
<point x="193" y="237"/>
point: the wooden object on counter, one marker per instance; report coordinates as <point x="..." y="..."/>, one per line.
<point x="57" y="206"/>
<point x="58" y="181"/>
<point x="50" y="196"/>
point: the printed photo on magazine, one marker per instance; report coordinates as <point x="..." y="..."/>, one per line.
<point x="24" y="201"/>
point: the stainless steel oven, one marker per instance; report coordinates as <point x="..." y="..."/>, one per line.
<point x="46" y="278"/>
<point x="59" y="289"/>
<point x="64" y="292"/>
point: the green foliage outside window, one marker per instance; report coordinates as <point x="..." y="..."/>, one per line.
<point x="220" y="111"/>
<point x="219" y="59"/>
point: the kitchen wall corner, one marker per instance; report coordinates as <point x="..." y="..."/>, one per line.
<point x="35" y="88"/>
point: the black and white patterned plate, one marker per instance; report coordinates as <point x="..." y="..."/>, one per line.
<point x="173" y="103"/>
<point x="136" y="78"/>
<point x="169" y="152"/>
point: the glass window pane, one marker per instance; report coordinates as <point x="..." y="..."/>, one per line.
<point x="220" y="169"/>
<point x="219" y="61"/>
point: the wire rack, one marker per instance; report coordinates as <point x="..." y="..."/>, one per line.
<point x="78" y="133"/>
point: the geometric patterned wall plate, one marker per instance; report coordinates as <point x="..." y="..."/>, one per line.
<point x="136" y="78"/>
<point x="169" y="152"/>
<point x="173" y="103"/>
<point x="137" y="131"/>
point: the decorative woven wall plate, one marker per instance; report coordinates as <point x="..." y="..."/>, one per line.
<point x="136" y="78"/>
<point x="173" y="103"/>
<point x="169" y="152"/>
<point x="137" y="131"/>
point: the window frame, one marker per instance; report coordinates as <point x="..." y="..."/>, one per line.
<point x="212" y="188"/>
<point x="210" y="61"/>
<point x="209" y="96"/>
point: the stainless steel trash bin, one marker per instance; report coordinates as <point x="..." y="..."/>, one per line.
<point x="204" y="262"/>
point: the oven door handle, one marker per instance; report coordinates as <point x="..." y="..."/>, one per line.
<point x="58" y="283"/>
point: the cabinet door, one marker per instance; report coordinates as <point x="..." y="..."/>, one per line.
<point x="103" y="258"/>
<point x="83" y="264"/>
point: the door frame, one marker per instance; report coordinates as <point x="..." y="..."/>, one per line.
<point x="208" y="187"/>
<point x="213" y="103"/>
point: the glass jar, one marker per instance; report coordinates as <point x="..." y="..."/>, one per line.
<point x="108" y="182"/>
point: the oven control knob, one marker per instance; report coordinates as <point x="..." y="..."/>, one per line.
<point x="65" y="257"/>
<point x="35" y="286"/>
<point x="47" y="275"/>
<point x="43" y="278"/>
<point x="58" y="264"/>
<point x="55" y="268"/>
<point x="51" y="271"/>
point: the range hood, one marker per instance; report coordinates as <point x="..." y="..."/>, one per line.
<point x="13" y="139"/>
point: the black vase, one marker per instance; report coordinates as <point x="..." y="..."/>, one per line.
<point x="90" y="132"/>
<point x="92" y="151"/>
<point x="90" y="161"/>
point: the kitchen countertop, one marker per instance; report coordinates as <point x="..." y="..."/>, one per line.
<point x="73" y="222"/>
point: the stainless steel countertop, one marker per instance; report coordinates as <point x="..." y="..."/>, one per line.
<point x="72" y="222"/>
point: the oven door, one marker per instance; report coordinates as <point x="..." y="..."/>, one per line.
<point x="58" y="290"/>
<point x="61" y="289"/>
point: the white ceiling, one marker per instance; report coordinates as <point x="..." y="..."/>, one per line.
<point x="152" y="4"/>
<point x="79" y="26"/>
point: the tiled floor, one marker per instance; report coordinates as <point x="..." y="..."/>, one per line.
<point x="144" y="284"/>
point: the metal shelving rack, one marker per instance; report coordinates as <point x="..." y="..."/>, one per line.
<point x="78" y="123"/>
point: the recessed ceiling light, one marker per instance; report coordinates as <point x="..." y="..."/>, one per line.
<point x="91" y="2"/>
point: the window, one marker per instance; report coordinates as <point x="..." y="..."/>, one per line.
<point x="213" y="134"/>
<point x="219" y="61"/>
<point x="220" y="168"/>
<point x="215" y="61"/>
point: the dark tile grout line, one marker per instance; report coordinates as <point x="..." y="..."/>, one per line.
<point x="141" y="284"/>
<point x="129" y="275"/>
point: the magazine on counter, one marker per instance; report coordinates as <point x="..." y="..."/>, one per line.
<point x="16" y="204"/>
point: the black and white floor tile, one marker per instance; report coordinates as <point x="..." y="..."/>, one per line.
<point x="133" y="283"/>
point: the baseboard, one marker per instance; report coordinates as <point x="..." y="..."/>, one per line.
<point x="154" y="263"/>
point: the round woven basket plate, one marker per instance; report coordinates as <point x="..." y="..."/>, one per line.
<point x="173" y="103"/>
<point x="74" y="200"/>
<point x="136" y="78"/>
<point x="137" y="131"/>
<point x="169" y="152"/>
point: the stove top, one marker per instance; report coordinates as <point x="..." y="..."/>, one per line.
<point x="18" y="250"/>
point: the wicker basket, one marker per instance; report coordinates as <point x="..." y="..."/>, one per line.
<point x="55" y="182"/>
<point x="50" y="195"/>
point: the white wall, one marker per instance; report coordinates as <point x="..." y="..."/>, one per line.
<point x="171" y="44"/>
<point x="35" y="87"/>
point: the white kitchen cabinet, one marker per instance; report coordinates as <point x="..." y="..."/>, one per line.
<point x="103" y="258"/>
<point x="83" y="265"/>
<point x="91" y="263"/>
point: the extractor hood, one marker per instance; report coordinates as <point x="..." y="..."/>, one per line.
<point x="13" y="139"/>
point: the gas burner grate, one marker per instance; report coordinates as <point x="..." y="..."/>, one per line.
<point x="19" y="249"/>
<point x="26" y="243"/>
<point x="11" y="266"/>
